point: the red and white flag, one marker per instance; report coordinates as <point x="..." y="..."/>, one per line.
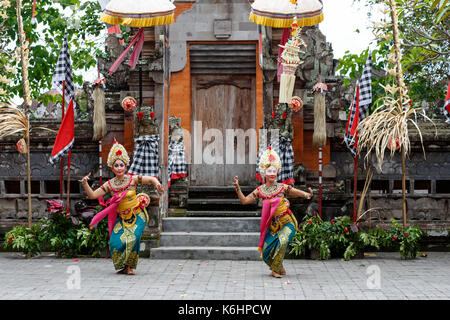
<point x="359" y="107"/>
<point x="66" y="135"/>
<point x="447" y="105"/>
<point x="62" y="78"/>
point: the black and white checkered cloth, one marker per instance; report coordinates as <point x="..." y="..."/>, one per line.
<point x="447" y="105"/>
<point x="145" y="158"/>
<point x="63" y="72"/>
<point x="360" y="105"/>
<point x="176" y="159"/>
<point x="286" y="154"/>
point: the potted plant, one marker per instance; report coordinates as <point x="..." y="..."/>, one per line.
<point x="25" y="239"/>
<point x="404" y="239"/>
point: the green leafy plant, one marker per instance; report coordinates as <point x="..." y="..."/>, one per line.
<point x="404" y="239"/>
<point x="60" y="232"/>
<point x="95" y="241"/>
<point x="340" y="237"/>
<point x="337" y="236"/>
<point x="24" y="239"/>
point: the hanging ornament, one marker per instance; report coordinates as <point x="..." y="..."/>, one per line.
<point x="21" y="146"/>
<point x="394" y="144"/>
<point x="296" y="104"/>
<point x="320" y="132"/>
<point x="129" y="104"/>
<point x="99" y="118"/>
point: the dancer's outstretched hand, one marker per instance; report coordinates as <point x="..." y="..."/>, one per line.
<point x="160" y="188"/>
<point x="309" y="196"/>
<point x="236" y="181"/>
<point x="85" y="179"/>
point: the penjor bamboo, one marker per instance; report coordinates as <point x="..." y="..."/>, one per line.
<point x="27" y="102"/>
<point x="400" y="83"/>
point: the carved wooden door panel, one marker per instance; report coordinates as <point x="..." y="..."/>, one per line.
<point x="224" y="137"/>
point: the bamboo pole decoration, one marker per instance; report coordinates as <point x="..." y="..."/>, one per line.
<point x="401" y="85"/>
<point x="23" y="57"/>
<point x="30" y="212"/>
<point x="61" y="162"/>
<point x="27" y="98"/>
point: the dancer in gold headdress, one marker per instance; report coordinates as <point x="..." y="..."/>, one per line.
<point x="127" y="216"/>
<point x="278" y="224"/>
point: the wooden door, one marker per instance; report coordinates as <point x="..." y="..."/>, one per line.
<point x="222" y="102"/>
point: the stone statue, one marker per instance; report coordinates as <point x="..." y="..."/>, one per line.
<point x="119" y="79"/>
<point x="175" y="130"/>
<point x="146" y="123"/>
<point x="281" y="120"/>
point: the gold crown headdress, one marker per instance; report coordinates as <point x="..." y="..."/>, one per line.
<point x="269" y="158"/>
<point x="118" y="152"/>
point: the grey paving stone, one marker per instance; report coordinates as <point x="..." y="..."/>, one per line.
<point x="47" y="278"/>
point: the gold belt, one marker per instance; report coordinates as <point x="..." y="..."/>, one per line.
<point x="280" y="220"/>
<point x="128" y="214"/>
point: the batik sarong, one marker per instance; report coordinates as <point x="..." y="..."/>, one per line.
<point x="278" y="227"/>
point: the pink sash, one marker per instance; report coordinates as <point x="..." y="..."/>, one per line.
<point x="139" y="40"/>
<point x="268" y="209"/>
<point x="111" y="211"/>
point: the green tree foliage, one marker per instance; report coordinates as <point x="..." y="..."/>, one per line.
<point x="425" y="41"/>
<point x="78" y="18"/>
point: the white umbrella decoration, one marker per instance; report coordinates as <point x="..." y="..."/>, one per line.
<point x="281" y="14"/>
<point x="139" y="13"/>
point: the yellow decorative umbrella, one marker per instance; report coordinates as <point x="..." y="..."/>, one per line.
<point x="139" y="13"/>
<point x="281" y="13"/>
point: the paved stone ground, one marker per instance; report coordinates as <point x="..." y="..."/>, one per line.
<point x="49" y="278"/>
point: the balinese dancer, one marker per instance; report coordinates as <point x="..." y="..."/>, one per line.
<point x="278" y="224"/>
<point x="127" y="216"/>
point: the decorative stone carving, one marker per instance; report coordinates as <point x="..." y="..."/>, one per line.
<point x="175" y="130"/>
<point x="147" y="124"/>
<point x="282" y="121"/>
<point x="119" y="79"/>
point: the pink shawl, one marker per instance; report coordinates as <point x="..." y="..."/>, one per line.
<point x="111" y="211"/>
<point x="268" y="209"/>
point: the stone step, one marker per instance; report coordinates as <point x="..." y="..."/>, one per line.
<point x="208" y="201"/>
<point x="211" y="213"/>
<point x="217" y="204"/>
<point x="223" y="192"/>
<point x="206" y="253"/>
<point x="211" y="224"/>
<point x="210" y="239"/>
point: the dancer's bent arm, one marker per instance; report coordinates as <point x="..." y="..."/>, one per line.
<point x="89" y="192"/>
<point x="244" y="199"/>
<point x="299" y="193"/>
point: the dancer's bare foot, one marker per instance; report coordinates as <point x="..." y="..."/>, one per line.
<point x="283" y="272"/>
<point x="130" y="271"/>
<point x="276" y="275"/>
